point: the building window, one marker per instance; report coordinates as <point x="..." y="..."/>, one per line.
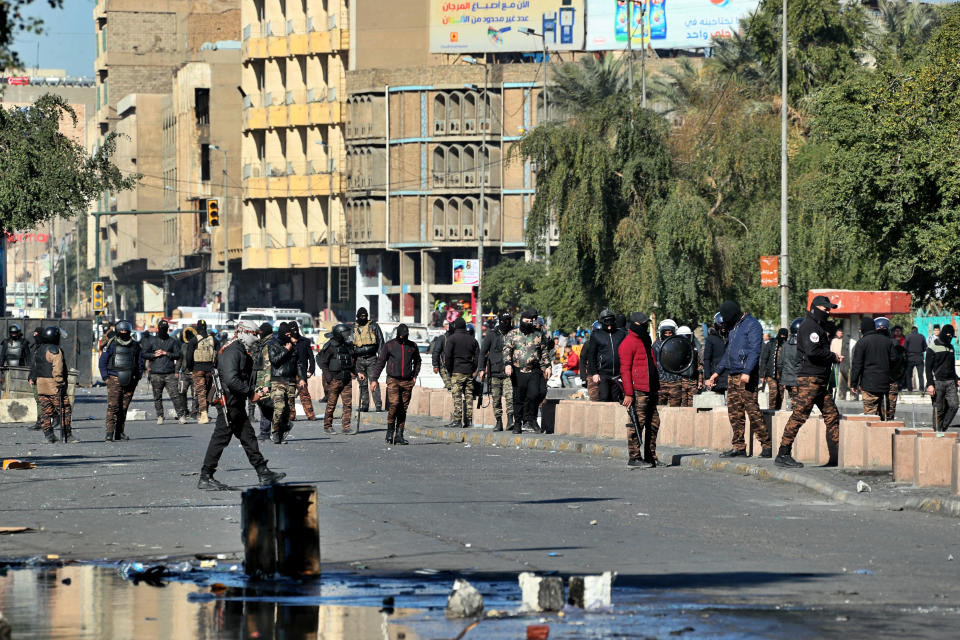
<point x="205" y="163"/>
<point x="201" y="106"/>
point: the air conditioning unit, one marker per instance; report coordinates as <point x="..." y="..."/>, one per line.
<point x="291" y="242"/>
<point x="332" y="94"/>
<point x="289" y="98"/>
<point x="469" y="179"/>
<point x="332" y="22"/>
<point x="453" y="127"/>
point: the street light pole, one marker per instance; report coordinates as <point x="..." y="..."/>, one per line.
<point x="630" y="45"/>
<point x="478" y="321"/>
<point x="226" y="238"/>
<point x="784" y="285"/>
<point x="643" y="54"/>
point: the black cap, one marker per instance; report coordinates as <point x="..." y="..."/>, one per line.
<point x="822" y="301"/>
<point x="639" y="317"/>
<point x="866" y="325"/>
<point x="530" y="313"/>
<point x="460" y="323"/>
<point x="266" y="328"/>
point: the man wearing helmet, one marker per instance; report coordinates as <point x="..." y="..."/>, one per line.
<point x="898" y="365"/>
<point x="689" y="377"/>
<point x="713" y="349"/>
<point x="121" y="367"/>
<point x="235" y="368"/>
<point x="48" y="375"/>
<point x="604" y="365"/>
<point x="586" y="362"/>
<point x="671" y="387"/>
<point x="870" y="372"/>
<point x="741" y="362"/>
<point x="284" y="370"/>
<point x="771" y="368"/>
<point x="816" y="362"/>
<point x="788" y="378"/>
<point x="338" y="367"/>
<point x="162" y="352"/>
<point x="13" y="350"/>
<point x="492" y="365"/>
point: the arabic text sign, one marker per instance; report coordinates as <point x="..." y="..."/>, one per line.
<point x="669" y="24"/>
<point x="769" y="270"/>
<point x="494" y="26"/>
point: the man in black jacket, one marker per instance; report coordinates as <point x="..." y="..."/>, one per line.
<point x="200" y="357"/>
<point x="14" y="350"/>
<point x="460" y="357"/>
<point x="235" y="368"/>
<point x="284" y="366"/>
<point x="436" y="355"/>
<point x="915" y="345"/>
<point x="942" y="377"/>
<point x="771" y="368"/>
<point x="261" y="375"/>
<point x="870" y="372"/>
<point x="713" y="349"/>
<point x="816" y="362"/>
<point x="306" y="366"/>
<point x="162" y="352"/>
<point x="338" y="366"/>
<point x="604" y="364"/>
<point x="491" y="357"/>
<point x="402" y="361"/>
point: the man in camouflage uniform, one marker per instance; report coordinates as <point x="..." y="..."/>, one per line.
<point x="527" y="361"/>
<point x="816" y="362"/>
<point x="200" y="356"/>
<point x="48" y="376"/>
<point x="367" y="342"/>
<point x="491" y="356"/>
<point x="436" y="355"/>
<point x="261" y="370"/>
<point x="338" y="368"/>
<point x="284" y="366"/>
<point x="121" y="367"/>
<point x="460" y="356"/>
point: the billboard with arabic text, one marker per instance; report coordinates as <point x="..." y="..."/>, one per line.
<point x="496" y="26"/>
<point x="670" y="24"/>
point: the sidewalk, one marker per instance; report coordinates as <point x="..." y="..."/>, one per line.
<point x="836" y="484"/>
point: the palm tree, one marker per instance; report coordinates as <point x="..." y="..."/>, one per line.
<point x="578" y="86"/>
<point x="672" y="90"/>
<point x="899" y="28"/>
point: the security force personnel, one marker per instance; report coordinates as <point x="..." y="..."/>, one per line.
<point x="284" y="367"/>
<point x="491" y="357"/>
<point x="870" y="372"/>
<point x="367" y="341"/>
<point x="791" y="363"/>
<point x="898" y="364"/>
<point x="741" y="363"/>
<point x="771" y="368"/>
<point x="401" y="358"/>
<point x="638" y="371"/>
<point x="528" y="363"/>
<point x="689" y="377"/>
<point x="306" y="367"/>
<point x="235" y="368"/>
<point x="163" y="351"/>
<point x="121" y="367"/>
<point x="816" y="361"/>
<point x="942" y="377"/>
<point x="14" y="351"/>
<point x="200" y="356"/>
<point x="460" y="355"/>
<point x="671" y="386"/>
<point x="436" y="354"/>
<point x="48" y="375"/>
<point x="604" y="361"/>
<point x="338" y="365"/>
<point x="261" y="375"/>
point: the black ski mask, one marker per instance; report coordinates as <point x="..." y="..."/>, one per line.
<point x="946" y="334"/>
<point x="362" y="316"/>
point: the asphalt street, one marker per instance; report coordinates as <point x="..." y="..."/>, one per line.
<point x="453" y="507"/>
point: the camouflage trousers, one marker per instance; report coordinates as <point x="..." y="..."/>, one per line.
<point x="284" y="396"/>
<point x="49" y="407"/>
<point x="671" y="394"/>
<point x="775" y="391"/>
<point x="399" y="393"/>
<point x="742" y="403"/>
<point x="202" y="381"/>
<point x="445" y="376"/>
<point x="461" y="386"/>
<point x="813" y="391"/>
<point x="593" y="390"/>
<point x="307" y="402"/>
<point x="688" y="388"/>
<point x="873" y="404"/>
<point x="649" y="419"/>
<point x="367" y="366"/>
<point x="791" y="391"/>
<point x="338" y="390"/>
<point x="502" y="388"/>
<point x="168" y="381"/>
<point x="890" y="408"/>
<point x="118" y="401"/>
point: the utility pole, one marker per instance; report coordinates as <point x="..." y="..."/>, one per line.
<point x="630" y="45"/>
<point x="226" y="238"/>
<point x="478" y="321"/>
<point x="643" y="54"/>
<point x="784" y="286"/>
<point x="52" y="281"/>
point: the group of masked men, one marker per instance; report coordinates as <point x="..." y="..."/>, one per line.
<point x="516" y="362"/>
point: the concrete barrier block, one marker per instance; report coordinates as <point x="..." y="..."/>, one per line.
<point x="850" y="453"/>
<point x="709" y="400"/>
<point x="702" y="428"/>
<point x="18" y="410"/>
<point x="541" y="593"/>
<point x="140" y="414"/>
<point x="903" y="445"/>
<point x="878" y="444"/>
<point x="805" y="444"/>
<point x="685" y="425"/>
<point x="315" y="387"/>
<point x="955" y="471"/>
<point x="932" y="459"/>
<point x="561" y="424"/>
<point x="612" y="429"/>
<point x="667" y="435"/>
<point x="435" y="408"/>
<point x="720" y="434"/>
<point x="779" y="424"/>
<point x="578" y="415"/>
<point x="446" y="411"/>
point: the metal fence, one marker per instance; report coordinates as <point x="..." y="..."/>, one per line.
<point x="77" y="345"/>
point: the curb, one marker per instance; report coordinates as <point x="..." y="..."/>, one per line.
<point x="547" y="442"/>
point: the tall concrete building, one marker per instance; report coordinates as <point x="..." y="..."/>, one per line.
<point x="295" y="250"/>
<point x="144" y="81"/>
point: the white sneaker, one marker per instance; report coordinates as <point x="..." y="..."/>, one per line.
<point x="203" y="418"/>
<point x="159" y="419"/>
<point x="182" y="419"/>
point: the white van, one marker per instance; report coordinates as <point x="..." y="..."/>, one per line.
<point x="275" y="316"/>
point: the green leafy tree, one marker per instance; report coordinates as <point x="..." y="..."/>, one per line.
<point x="512" y="285"/>
<point x="13" y="23"/>
<point x="44" y="174"/>
<point x="900" y="28"/>
<point x="578" y="86"/>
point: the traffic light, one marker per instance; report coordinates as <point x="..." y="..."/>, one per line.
<point x="97" y="295"/>
<point x="213" y="213"/>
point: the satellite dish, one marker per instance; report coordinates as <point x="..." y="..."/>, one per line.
<point x="676" y="354"/>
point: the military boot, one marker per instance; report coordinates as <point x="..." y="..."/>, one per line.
<point x="36" y="425"/>
<point x="467" y="424"/>
<point x="516" y="427"/>
<point x="69" y="438"/>
<point x="208" y="483"/>
<point x="398" y="437"/>
<point x="453" y="424"/>
<point x="389" y="438"/>
<point x="784" y="459"/>
<point x="267" y="477"/>
<point x="50" y="435"/>
<point x="499" y="425"/>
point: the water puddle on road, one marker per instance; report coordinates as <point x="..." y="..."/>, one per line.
<point x="94" y="601"/>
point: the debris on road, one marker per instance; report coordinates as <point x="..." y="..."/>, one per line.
<point x="862" y="487"/>
<point x="464" y="601"/>
<point x="12" y="464"/>
<point x="591" y="592"/>
<point x="541" y="593"/>
<point x="9" y="530"/>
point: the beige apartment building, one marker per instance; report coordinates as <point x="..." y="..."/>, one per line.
<point x="157" y="65"/>
<point x="295" y="252"/>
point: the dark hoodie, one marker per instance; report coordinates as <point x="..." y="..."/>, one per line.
<point x="872" y="356"/>
<point x="460" y="350"/>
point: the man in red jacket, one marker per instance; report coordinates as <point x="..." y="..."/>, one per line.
<point x="638" y="371"/>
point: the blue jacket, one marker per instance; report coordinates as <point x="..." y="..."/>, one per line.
<point x="743" y="348"/>
<point x="106" y="371"/>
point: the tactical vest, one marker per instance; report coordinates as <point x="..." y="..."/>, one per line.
<point x="42" y="367"/>
<point x="342" y="359"/>
<point x="14" y="353"/>
<point x="204" y="351"/>
<point x="123" y="362"/>
<point x="365" y="340"/>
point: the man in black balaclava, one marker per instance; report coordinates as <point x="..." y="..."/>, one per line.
<point x="201" y="353"/>
<point x="261" y="375"/>
<point x="604" y="364"/>
<point x="870" y="372"/>
<point x="367" y="342"/>
<point x="436" y="355"/>
<point x="527" y="361"/>
<point x="942" y="378"/>
<point x="816" y="362"/>
<point x="771" y="364"/>
<point x="641" y="381"/>
<point x="401" y="358"/>
<point x="162" y="352"/>
<point x="492" y="365"/>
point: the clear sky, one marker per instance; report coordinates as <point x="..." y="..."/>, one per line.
<point x="68" y="40"/>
